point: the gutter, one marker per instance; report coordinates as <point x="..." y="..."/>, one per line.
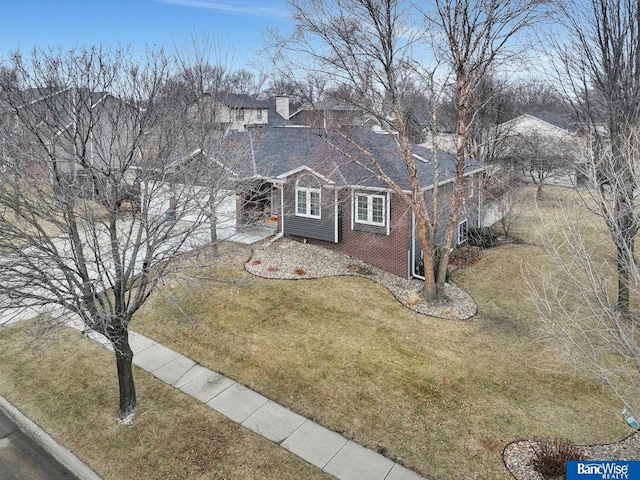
<point x="280" y="234"/>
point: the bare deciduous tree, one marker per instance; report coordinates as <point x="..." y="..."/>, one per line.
<point x="600" y="69"/>
<point x="478" y="36"/>
<point x="99" y="197"/>
<point x="574" y="292"/>
<point x="586" y="303"/>
<point x="363" y="45"/>
<point x="245" y="82"/>
<point x="540" y="157"/>
<point x="367" y="45"/>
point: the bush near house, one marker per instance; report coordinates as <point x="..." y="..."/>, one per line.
<point x="483" y="237"/>
<point x="465" y="256"/>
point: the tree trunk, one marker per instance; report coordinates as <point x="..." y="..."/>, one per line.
<point x="463" y="94"/>
<point x="430" y="290"/>
<point x="624" y="246"/>
<point x="213" y="219"/>
<point x="425" y="239"/>
<point x="539" y="192"/>
<point x="622" y="303"/>
<point x="124" y="362"/>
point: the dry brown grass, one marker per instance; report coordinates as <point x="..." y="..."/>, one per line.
<point x="442" y="397"/>
<point x="68" y="386"/>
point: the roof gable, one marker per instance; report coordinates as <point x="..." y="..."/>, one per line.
<point x="544" y="120"/>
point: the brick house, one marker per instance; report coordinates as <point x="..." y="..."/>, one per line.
<point x="314" y="185"/>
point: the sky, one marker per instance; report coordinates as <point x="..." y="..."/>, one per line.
<point x="238" y="25"/>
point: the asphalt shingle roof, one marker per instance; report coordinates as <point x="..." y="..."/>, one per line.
<point x="560" y="120"/>
<point x="234" y="100"/>
<point x="279" y="152"/>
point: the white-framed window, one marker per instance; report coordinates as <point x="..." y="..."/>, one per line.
<point x="259" y="114"/>
<point x="463" y="229"/>
<point x="239" y="114"/>
<point x="308" y="196"/>
<point x="371" y="209"/>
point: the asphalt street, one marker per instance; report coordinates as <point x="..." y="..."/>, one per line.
<point x="22" y="459"/>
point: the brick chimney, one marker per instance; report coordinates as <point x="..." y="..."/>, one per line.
<point x="282" y="106"/>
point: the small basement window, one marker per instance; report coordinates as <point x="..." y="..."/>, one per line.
<point x="463" y="231"/>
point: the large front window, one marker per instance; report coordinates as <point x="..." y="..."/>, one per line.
<point x="308" y="202"/>
<point x="370" y="209"/>
<point x="308" y="195"/>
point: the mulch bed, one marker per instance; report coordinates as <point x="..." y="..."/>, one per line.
<point x="517" y="455"/>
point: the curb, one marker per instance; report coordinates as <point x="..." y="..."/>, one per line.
<point x="42" y="438"/>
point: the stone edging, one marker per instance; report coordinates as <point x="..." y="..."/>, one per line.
<point x="277" y="260"/>
<point x="599" y="451"/>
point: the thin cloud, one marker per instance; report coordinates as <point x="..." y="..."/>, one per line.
<point x="224" y="7"/>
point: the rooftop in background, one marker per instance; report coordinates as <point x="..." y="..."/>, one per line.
<point x="561" y="120"/>
<point x="241" y="101"/>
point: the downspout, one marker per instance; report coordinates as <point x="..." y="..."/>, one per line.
<point x="413" y="248"/>
<point x="353" y="207"/>
<point x="280" y="234"/>
<point x="388" y="213"/>
<point x="336" y="214"/>
<point x="481" y="212"/>
<point x="480" y="221"/>
<point x="277" y="237"/>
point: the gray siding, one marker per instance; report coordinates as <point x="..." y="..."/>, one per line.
<point x="323" y="228"/>
<point x="468" y="211"/>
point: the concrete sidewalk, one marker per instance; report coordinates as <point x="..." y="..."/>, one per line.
<point x="323" y="448"/>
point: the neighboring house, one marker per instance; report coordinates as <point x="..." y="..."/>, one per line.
<point x="333" y="113"/>
<point x="307" y="180"/>
<point x="233" y="112"/>
<point x="543" y="147"/>
<point x="64" y="132"/>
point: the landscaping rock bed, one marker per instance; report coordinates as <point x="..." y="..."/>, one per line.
<point x="517" y="455"/>
<point x="290" y="259"/>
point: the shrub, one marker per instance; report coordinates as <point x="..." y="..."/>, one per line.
<point x="465" y="256"/>
<point x="413" y="298"/>
<point x="550" y="458"/>
<point x="483" y="237"/>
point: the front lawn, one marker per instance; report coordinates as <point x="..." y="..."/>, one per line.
<point x="442" y="397"/>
